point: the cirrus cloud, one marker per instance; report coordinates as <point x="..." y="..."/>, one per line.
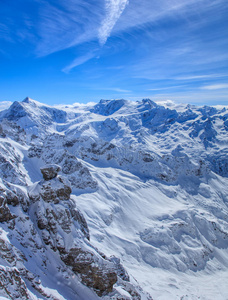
<point x="215" y="86"/>
<point x="114" y="9"/>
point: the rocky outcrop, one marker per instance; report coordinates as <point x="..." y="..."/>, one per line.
<point x="52" y="151"/>
<point x="7" y="197"/>
<point x="49" y="172"/>
<point x="5" y="214"/>
<point x="63" y="227"/>
<point x="47" y="223"/>
<point x="94" y="271"/>
<point x="12" y="284"/>
<point x="53" y="188"/>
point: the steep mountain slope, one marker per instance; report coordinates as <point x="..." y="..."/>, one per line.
<point x="151" y="183"/>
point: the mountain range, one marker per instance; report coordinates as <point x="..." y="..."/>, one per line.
<point x="113" y="200"/>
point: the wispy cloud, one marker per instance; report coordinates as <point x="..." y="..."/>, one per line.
<point x="152" y="11"/>
<point x="58" y="25"/>
<point x="4" y="32"/>
<point x="115" y="89"/>
<point x="68" y="23"/>
<point x="204" y="76"/>
<point x="111" y="89"/>
<point x="215" y="86"/>
<point x="198" y="97"/>
<point x="65" y="25"/>
<point x="114" y="9"/>
<point x="167" y="88"/>
<point x="79" y="61"/>
<point x="73" y="23"/>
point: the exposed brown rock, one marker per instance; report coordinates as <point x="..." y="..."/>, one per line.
<point x="12" y="198"/>
<point x="54" y="216"/>
<point x="55" y="190"/>
<point x="5" y="214"/>
<point x="7" y="253"/>
<point x="50" y="171"/>
<point x="98" y="276"/>
<point x="12" y="284"/>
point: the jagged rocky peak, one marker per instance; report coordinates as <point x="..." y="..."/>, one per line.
<point x="50" y="171"/>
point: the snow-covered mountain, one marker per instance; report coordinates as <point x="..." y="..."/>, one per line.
<point x="115" y="200"/>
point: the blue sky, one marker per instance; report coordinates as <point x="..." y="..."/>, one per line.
<point x="58" y="51"/>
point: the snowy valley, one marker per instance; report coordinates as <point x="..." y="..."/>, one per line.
<point x="115" y="200"/>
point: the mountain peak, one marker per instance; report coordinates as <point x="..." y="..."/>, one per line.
<point x="149" y="102"/>
<point x="109" y="107"/>
<point x="27" y="100"/>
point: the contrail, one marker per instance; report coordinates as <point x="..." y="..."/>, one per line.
<point x="114" y="9"/>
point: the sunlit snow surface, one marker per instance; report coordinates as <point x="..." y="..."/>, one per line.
<point x="161" y="193"/>
<point x="158" y="231"/>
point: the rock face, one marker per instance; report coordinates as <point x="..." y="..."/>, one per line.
<point x="52" y="150"/>
<point x="50" y="171"/>
<point x="5" y="214"/>
<point x="53" y="189"/>
<point x="7" y="198"/>
<point x="100" y="277"/>
<point x="46" y="223"/>
<point x="56" y="215"/>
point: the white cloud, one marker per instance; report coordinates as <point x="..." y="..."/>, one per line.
<point x="73" y="22"/>
<point x="215" y="86"/>
<point x="79" y="61"/>
<point x="114" y="9"/>
<point x="167" y="88"/>
<point x="198" y="97"/>
<point x="200" y="76"/>
<point x="112" y="89"/>
<point x="167" y="103"/>
<point x="67" y="24"/>
<point x="4" y="105"/>
<point x="120" y="90"/>
<point x="115" y="89"/>
<point x="76" y="24"/>
<point x="138" y="14"/>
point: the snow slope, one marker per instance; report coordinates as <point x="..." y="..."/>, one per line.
<point x="150" y="180"/>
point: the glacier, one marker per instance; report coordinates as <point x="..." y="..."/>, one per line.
<point x="136" y="208"/>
